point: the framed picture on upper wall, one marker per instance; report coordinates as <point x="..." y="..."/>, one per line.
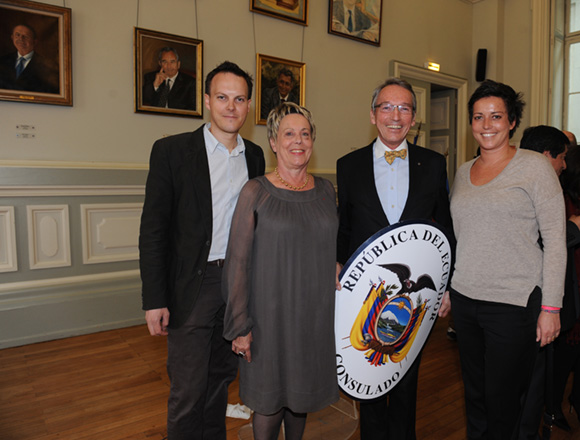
<point x="290" y="10"/>
<point x="168" y="74"/>
<point x="356" y="19"/>
<point x="278" y="80"/>
<point x="35" y="53"/>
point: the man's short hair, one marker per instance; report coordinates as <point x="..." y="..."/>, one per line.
<point x="30" y="28"/>
<point x="286" y="72"/>
<point x="394" y="82"/>
<point x="229" y="67"/>
<point x="544" y="138"/>
<point x="164" y="50"/>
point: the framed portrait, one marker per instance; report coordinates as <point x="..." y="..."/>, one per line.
<point x="35" y="53"/>
<point x="277" y="80"/>
<point x="356" y="19"/>
<point x="295" y="11"/>
<point x="168" y="74"/>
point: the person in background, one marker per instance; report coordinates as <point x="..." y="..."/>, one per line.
<point x="193" y="184"/>
<point x="567" y="346"/>
<point x="279" y="281"/>
<point x="553" y="144"/>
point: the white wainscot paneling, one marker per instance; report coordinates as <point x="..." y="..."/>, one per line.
<point x="110" y="232"/>
<point x="48" y="236"/>
<point x="8" y="261"/>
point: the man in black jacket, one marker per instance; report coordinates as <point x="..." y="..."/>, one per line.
<point x="192" y="188"/>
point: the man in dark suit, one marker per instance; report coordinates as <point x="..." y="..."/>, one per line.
<point x="168" y="87"/>
<point x="349" y="19"/>
<point x="25" y="69"/>
<point x="192" y="188"/>
<point x="379" y="185"/>
<point x="282" y="92"/>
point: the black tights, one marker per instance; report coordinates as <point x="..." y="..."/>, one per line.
<point x="268" y="427"/>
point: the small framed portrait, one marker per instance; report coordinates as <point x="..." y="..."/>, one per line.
<point x="168" y="74"/>
<point x="278" y="81"/>
<point x="356" y="19"/>
<point x="35" y="53"/>
<point x="295" y="11"/>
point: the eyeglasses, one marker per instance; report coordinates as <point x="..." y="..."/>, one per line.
<point x="386" y="107"/>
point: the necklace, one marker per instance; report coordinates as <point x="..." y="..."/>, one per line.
<point x="295" y="188"/>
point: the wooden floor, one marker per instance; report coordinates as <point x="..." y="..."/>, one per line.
<point x="113" y="385"/>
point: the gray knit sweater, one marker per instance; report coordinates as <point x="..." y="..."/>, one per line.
<point x="497" y="226"/>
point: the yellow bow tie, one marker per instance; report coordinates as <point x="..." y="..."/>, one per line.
<point x="390" y="156"/>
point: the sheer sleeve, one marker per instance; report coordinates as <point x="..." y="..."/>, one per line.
<point x="237" y="277"/>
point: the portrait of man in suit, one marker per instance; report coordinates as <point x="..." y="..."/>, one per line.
<point x="25" y="68"/>
<point x="283" y="91"/>
<point x="388" y="181"/>
<point x="167" y="87"/>
<point x="349" y="18"/>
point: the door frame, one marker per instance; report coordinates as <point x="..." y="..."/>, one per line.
<point x="453" y="82"/>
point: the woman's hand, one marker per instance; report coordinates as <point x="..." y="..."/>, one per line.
<point x="445" y="307"/>
<point x="548" y="328"/>
<point x="241" y="346"/>
<point x="338" y="269"/>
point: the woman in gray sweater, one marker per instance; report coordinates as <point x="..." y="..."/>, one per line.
<point x="507" y="288"/>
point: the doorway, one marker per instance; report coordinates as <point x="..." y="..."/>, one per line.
<point x="442" y="118"/>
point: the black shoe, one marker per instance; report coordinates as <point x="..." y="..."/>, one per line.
<point x="562" y="423"/>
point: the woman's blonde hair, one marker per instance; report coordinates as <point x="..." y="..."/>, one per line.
<point x="287" y="108"/>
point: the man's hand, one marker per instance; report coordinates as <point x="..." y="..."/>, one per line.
<point x="159" y="78"/>
<point x="157" y="321"/>
<point x="445" y="307"/>
<point x="338" y="269"/>
<point x="575" y="219"/>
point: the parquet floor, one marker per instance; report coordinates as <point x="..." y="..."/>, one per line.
<point x="113" y="385"/>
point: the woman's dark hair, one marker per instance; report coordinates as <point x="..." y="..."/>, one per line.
<point x="570" y="178"/>
<point x="513" y="101"/>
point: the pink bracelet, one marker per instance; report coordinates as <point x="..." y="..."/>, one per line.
<point x="550" y="309"/>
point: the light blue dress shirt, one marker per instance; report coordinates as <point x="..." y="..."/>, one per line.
<point x="392" y="181"/>
<point x="228" y="173"/>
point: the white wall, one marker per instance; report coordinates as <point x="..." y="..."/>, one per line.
<point x="340" y="73"/>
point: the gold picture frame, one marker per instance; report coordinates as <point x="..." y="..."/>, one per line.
<point x="185" y="97"/>
<point x="363" y="22"/>
<point x="295" y="11"/>
<point x="273" y="78"/>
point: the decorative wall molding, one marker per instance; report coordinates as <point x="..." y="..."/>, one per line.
<point x="73" y="165"/>
<point x="8" y="261"/>
<point x="48" y="236"/>
<point x="62" y="307"/>
<point x="71" y="190"/>
<point x="110" y="232"/>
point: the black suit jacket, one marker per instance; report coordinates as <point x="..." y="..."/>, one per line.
<point x="39" y="75"/>
<point x="176" y="224"/>
<point x="360" y="209"/>
<point x="270" y="99"/>
<point x="182" y="94"/>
